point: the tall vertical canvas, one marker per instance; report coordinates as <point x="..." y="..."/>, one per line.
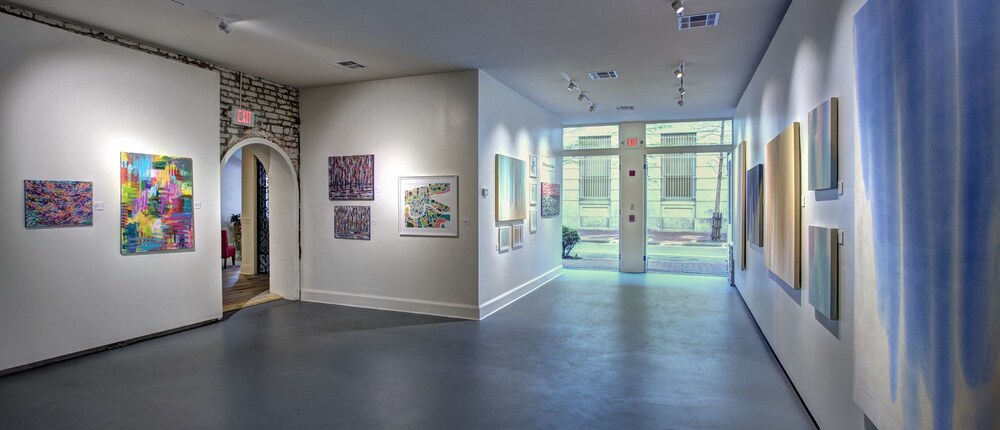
<point x="58" y="203"/>
<point x="428" y="206"/>
<point x="927" y="214"/>
<point x="157" y="207"/>
<point x="352" y="222"/>
<point x="352" y="177"/>
<point x="824" y="268"/>
<point x="782" y="207"/>
<point x="754" y="224"/>
<point x="551" y="199"/>
<point x="511" y="188"/>
<point x="823" y="146"/>
<point x="740" y="185"/>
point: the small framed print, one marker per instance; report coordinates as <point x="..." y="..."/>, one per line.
<point x="533" y="222"/>
<point x="503" y="239"/>
<point x="533" y="193"/>
<point x="517" y="236"/>
<point x="532" y="166"/>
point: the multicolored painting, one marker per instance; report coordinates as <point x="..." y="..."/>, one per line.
<point x="783" y="208"/>
<point x="551" y="199"/>
<point x="352" y="177"/>
<point x="510" y="184"/>
<point x="927" y="295"/>
<point x="58" y="203"/>
<point x="822" y="145"/>
<point x="755" y="205"/>
<point x="824" y="280"/>
<point x="157" y="206"/>
<point x="428" y="206"/>
<point x="352" y="222"/>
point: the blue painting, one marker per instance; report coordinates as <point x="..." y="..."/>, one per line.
<point x="928" y="321"/>
<point x="824" y="280"/>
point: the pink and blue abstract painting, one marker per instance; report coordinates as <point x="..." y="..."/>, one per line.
<point x="157" y="207"/>
<point x="352" y="222"/>
<point x="352" y="177"/>
<point x="927" y="330"/>
<point x="58" y="203"/>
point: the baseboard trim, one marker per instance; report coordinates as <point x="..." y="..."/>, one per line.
<point x="493" y="305"/>
<point x="107" y="347"/>
<point x="397" y="304"/>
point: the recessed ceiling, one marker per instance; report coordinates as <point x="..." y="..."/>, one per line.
<point x="524" y="44"/>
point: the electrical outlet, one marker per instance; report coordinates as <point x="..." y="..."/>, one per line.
<point x="98" y="206"/>
<point x="197" y="204"/>
<point x="378" y="190"/>
<point x="466" y="222"/>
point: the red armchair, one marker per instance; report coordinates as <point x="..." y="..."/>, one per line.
<point x="228" y="251"/>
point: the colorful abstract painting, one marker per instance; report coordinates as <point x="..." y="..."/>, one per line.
<point x="352" y="177"/>
<point x="822" y="145"/>
<point x="927" y="291"/>
<point x="352" y="222"/>
<point x="551" y="199"/>
<point x="157" y="207"/>
<point x="755" y="205"/>
<point x="428" y="206"/>
<point x="58" y="203"/>
<point x="823" y="262"/>
<point x="510" y="184"/>
<point x="783" y="208"/>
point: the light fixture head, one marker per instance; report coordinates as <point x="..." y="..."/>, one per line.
<point x="679" y="71"/>
<point x="682" y="90"/>
<point x="224" y="26"/>
<point x="581" y="96"/>
<point x="593" y="107"/>
<point x="678" y="6"/>
<point x="572" y="86"/>
<point x="680" y="102"/>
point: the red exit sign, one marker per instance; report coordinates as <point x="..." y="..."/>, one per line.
<point x="632" y="142"/>
<point x="243" y="117"/>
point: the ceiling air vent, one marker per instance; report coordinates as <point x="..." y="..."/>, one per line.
<point x="607" y="74"/>
<point x="695" y="21"/>
<point x="350" y="65"/>
<point x="621" y="108"/>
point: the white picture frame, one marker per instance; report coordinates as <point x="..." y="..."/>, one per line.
<point x="503" y="238"/>
<point x="533" y="166"/>
<point x="533" y="221"/>
<point x="533" y="193"/>
<point x="428" y="205"/>
<point x="517" y="236"/>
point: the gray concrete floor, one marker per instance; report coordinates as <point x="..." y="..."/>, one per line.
<point x="590" y="350"/>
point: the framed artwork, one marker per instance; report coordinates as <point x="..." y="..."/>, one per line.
<point x="352" y="222"/>
<point x="428" y="206"/>
<point x="824" y="269"/>
<point x="58" y="203"/>
<point x="533" y="221"/>
<point x="782" y="207"/>
<point x="533" y="166"/>
<point x="352" y="177"/>
<point x="157" y="204"/>
<point x="822" y="145"/>
<point x="510" y="184"/>
<point x="741" y="185"/>
<point x="503" y="238"/>
<point x="754" y="222"/>
<point x="517" y="236"/>
<point x="533" y="193"/>
<point x="550" y="199"/>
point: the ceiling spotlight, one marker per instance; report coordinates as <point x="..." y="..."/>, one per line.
<point x="581" y="97"/>
<point x="679" y="71"/>
<point x="224" y="26"/>
<point x="680" y="102"/>
<point x="682" y="90"/>
<point x="678" y="6"/>
<point x="572" y="86"/>
<point x="593" y="107"/>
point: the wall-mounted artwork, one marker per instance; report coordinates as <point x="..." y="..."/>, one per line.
<point x="352" y="222"/>
<point x="517" y="236"/>
<point x="503" y="238"/>
<point x="824" y="269"/>
<point x="352" y="177"/>
<point x="533" y="166"/>
<point x="58" y="203"/>
<point x="533" y="193"/>
<point x="428" y="206"/>
<point x="533" y="221"/>
<point x="740" y="184"/>
<point x="782" y="207"/>
<point x="157" y="205"/>
<point x="551" y="199"/>
<point x="926" y="302"/>
<point x="510" y="184"/>
<point x="822" y="145"/>
<point x="754" y="225"/>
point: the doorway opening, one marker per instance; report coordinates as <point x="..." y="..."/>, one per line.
<point x="591" y="200"/>
<point x="259" y="201"/>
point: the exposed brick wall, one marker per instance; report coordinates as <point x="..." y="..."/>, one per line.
<point x="276" y="104"/>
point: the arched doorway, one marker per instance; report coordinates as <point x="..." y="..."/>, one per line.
<point x="282" y="209"/>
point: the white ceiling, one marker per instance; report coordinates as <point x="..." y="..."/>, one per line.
<point x="524" y="44"/>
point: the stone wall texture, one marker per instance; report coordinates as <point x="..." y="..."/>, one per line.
<point x="276" y="105"/>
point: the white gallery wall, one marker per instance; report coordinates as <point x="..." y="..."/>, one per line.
<point x="810" y="59"/>
<point x="415" y="126"/>
<point x="511" y="125"/>
<point x="68" y="106"/>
